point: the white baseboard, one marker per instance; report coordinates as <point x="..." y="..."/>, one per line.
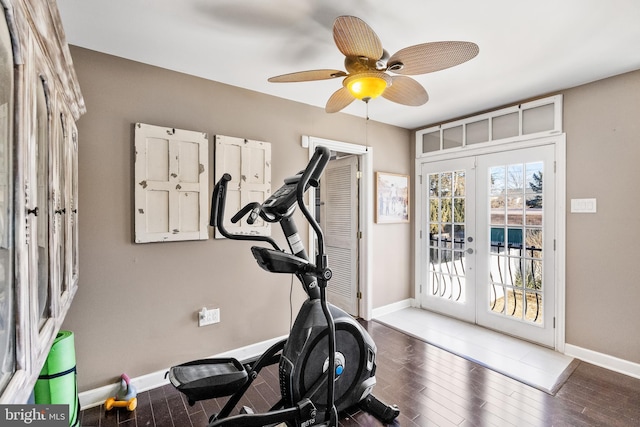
<point x="390" y="308"/>
<point x="604" y="360"/>
<point x="97" y="396"/>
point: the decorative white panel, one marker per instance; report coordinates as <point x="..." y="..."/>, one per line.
<point x="249" y="164"/>
<point x="171" y="184"/>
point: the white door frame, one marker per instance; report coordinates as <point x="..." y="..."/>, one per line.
<point x="366" y="215"/>
<point x="559" y="143"/>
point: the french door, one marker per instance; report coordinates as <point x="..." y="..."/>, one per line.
<point x="448" y="270"/>
<point x="488" y="253"/>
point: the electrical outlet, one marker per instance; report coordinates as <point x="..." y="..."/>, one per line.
<point x="208" y="316"/>
<point x="214" y="315"/>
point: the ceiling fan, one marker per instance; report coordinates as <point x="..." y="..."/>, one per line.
<point x="368" y="66"/>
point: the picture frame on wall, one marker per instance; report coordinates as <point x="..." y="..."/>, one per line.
<point x="392" y="198"/>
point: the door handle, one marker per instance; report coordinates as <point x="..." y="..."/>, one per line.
<point x="470" y="251"/>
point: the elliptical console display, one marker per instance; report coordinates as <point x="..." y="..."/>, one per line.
<point x="314" y="386"/>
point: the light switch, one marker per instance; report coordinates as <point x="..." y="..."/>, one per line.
<point x="583" y="206"/>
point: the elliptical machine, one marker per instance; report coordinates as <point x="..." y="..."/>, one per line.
<point x="314" y="386"/>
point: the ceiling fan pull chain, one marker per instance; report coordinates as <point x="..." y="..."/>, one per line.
<point x="366" y="126"/>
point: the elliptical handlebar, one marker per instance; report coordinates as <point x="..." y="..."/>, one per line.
<point x="218" y="199"/>
<point x="311" y="176"/>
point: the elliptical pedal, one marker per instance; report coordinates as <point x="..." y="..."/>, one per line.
<point x="208" y="378"/>
<point x="380" y="410"/>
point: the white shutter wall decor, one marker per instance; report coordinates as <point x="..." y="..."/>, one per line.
<point x="249" y="164"/>
<point x="171" y="184"/>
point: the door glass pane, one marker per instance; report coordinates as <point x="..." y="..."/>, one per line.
<point x="458" y="209"/>
<point x="534" y="239"/>
<point x="514" y="210"/>
<point x="447" y="211"/>
<point x="445" y="214"/>
<point x="61" y="211"/>
<point x="42" y="162"/>
<point x="533" y="193"/>
<point x="515" y="202"/>
<point x="497" y="202"/>
<point x="498" y="214"/>
<point x="434" y="185"/>
<point x="498" y="180"/>
<point x="7" y="318"/>
<point x="445" y="184"/>
<point x="515" y="275"/>
<point x="534" y="307"/>
<point x="515" y="179"/>
<point x="73" y="215"/>
<point x="459" y="187"/>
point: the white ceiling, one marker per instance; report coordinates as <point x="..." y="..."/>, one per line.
<point x="527" y="48"/>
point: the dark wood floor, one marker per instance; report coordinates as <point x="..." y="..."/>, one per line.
<point x="432" y="388"/>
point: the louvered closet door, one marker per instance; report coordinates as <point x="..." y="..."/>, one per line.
<point x="339" y="221"/>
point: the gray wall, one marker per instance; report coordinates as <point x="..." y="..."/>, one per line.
<point x="602" y="123"/>
<point x="135" y="310"/>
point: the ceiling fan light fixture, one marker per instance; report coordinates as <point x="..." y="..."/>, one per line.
<point x="367" y="64"/>
<point x="366" y="86"/>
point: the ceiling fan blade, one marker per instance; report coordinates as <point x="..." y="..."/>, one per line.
<point x="339" y="100"/>
<point x="406" y="91"/>
<point x="430" y="57"/>
<point x="355" y="38"/>
<point x="306" y="76"/>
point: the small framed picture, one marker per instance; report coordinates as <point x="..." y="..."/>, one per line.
<point x="392" y="198"/>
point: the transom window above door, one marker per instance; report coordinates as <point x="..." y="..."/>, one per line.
<point x="542" y="117"/>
